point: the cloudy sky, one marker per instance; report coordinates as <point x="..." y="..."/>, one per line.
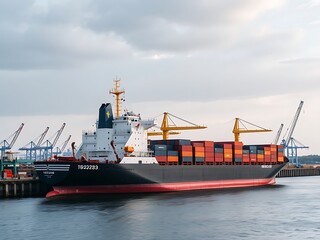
<point x="207" y="61"/>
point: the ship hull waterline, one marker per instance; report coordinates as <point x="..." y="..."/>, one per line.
<point x="71" y="178"/>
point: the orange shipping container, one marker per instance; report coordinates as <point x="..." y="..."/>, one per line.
<point x="186" y="154"/>
<point x="173" y="158"/>
<point x="238" y="151"/>
<point x="199" y="154"/>
<point x="281" y="159"/>
<point x="198" y="149"/>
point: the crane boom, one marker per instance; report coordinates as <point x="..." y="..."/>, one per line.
<point x="58" y="135"/>
<point x="16" y="135"/>
<point x="275" y="141"/>
<point x="42" y="136"/>
<point x="5" y="145"/>
<point x="237" y="130"/>
<point x="293" y="125"/>
<point x="166" y="128"/>
<point x="65" y="144"/>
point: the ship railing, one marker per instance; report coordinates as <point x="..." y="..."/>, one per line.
<point x="142" y="154"/>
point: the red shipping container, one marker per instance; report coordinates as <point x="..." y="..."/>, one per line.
<point x="185" y="148"/>
<point x="204" y="143"/>
<point x="197" y="144"/>
<point x="245" y="158"/>
<point x="161" y="158"/>
<point x="209" y="154"/>
<point x="267" y="159"/>
<point x="209" y="159"/>
<point x="253" y="157"/>
<point x="218" y="159"/>
<point x="209" y="149"/>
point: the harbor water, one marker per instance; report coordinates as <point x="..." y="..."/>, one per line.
<point x="288" y="210"/>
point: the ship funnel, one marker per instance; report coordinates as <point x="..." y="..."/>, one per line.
<point x="105" y="116"/>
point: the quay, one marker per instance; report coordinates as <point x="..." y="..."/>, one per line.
<point x="299" y="172"/>
<point x="29" y="187"/>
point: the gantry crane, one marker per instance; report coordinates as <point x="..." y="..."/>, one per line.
<point x="290" y="144"/>
<point x="167" y="127"/>
<point x="5" y="145"/>
<point x="7" y="159"/>
<point x="237" y="129"/>
<point x="33" y="147"/>
<point x="47" y="147"/>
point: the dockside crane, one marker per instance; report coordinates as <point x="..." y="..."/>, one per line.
<point x="33" y="148"/>
<point x="275" y="141"/>
<point x="290" y="144"/>
<point x="6" y="145"/>
<point x="47" y="148"/>
<point x="7" y="158"/>
<point x="243" y="129"/>
<point x="59" y="150"/>
<point x="169" y="127"/>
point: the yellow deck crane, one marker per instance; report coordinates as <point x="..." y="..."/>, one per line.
<point x="167" y="129"/>
<point x="237" y="129"/>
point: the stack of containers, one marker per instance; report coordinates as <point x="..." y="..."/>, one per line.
<point x="252" y="153"/>
<point x="260" y="154"/>
<point x="280" y="154"/>
<point x="208" y="151"/>
<point x="172" y="157"/>
<point x="238" y="152"/>
<point x="160" y="153"/>
<point x="198" y="152"/>
<point x="185" y="154"/>
<point x="273" y="153"/>
<point x="227" y="151"/>
<point x="218" y="153"/>
<point x="267" y="154"/>
<point x="172" y="151"/>
<point x="246" y="156"/>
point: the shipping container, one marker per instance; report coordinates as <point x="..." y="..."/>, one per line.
<point x="160" y="147"/>
<point x="172" y="153"/>
<point x="185" y="148"/>
<point x="204" y="143"/>
<point x="160" y="153"/>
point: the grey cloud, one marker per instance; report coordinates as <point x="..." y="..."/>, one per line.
<point x="40" y="34"/>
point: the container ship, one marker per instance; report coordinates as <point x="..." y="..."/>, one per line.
<point x="118" y="158"/>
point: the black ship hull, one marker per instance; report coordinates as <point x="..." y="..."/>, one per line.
<point x="84" y="178"/>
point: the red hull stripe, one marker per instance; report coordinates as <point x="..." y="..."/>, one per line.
<point x="160" y="187"/>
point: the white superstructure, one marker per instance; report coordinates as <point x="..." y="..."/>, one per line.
<point x="121" y="138"/>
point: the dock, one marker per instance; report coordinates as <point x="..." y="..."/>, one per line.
<point x="18" y="188"/>
<point x="298" y="172"/>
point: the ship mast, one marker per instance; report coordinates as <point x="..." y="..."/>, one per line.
<point x="117" y="92"/>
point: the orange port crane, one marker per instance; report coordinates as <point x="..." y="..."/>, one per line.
<point x="237" y="129"/>
<point x="167" y="128"/>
